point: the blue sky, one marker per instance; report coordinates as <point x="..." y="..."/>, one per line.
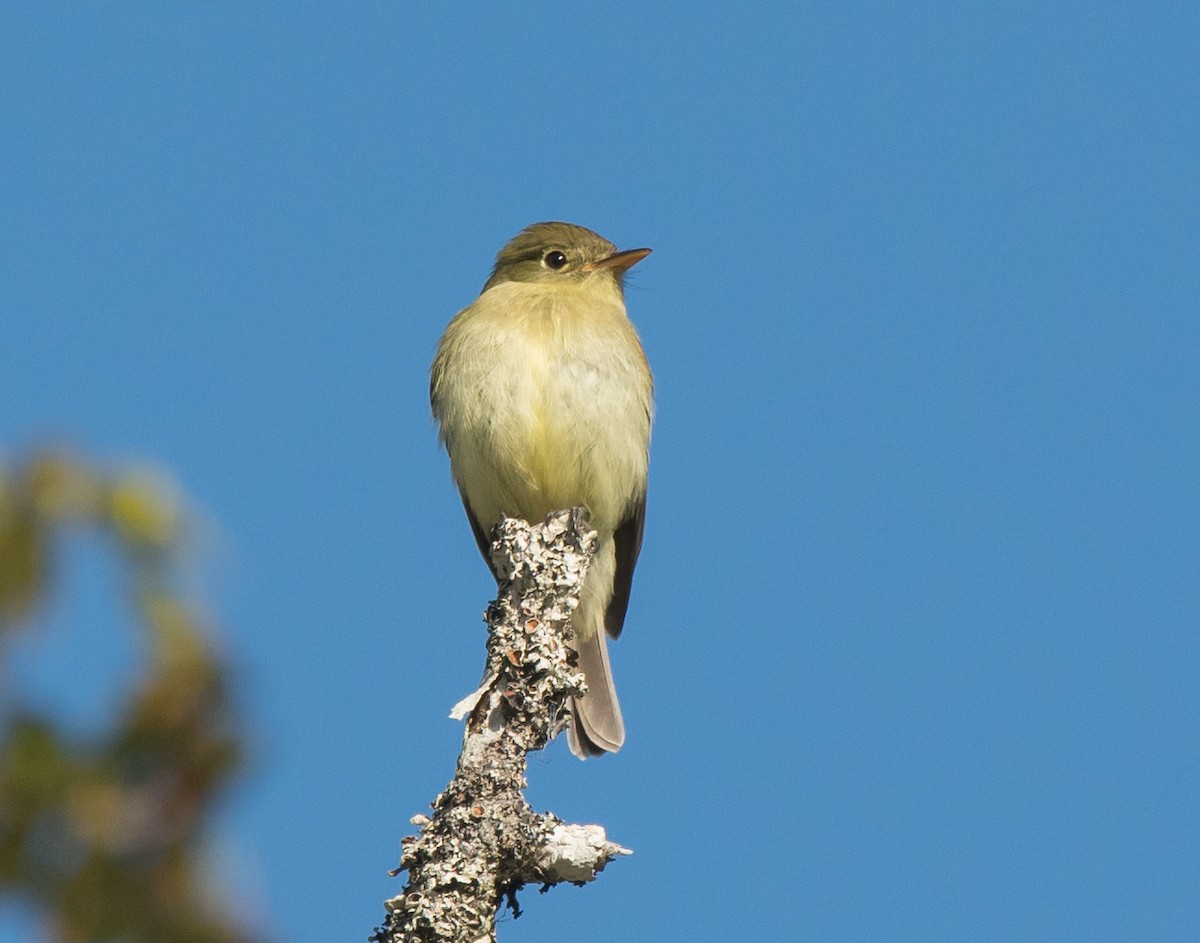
<point x="912" y="652"/>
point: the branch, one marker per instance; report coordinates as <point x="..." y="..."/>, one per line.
<point x="484" y="842"/>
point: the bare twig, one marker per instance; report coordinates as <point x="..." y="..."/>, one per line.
<point x="483" y="842"/>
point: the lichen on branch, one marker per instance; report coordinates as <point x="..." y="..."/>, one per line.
<point x="483" y="842"/>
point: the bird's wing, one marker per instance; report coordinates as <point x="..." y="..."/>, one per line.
<point x="628" y="540"/>
<point x="481" y="538"/>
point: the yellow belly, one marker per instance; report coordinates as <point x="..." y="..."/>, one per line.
<point x="544" y="409"/>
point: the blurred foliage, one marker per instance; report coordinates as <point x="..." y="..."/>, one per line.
<point x="103" y="834"/>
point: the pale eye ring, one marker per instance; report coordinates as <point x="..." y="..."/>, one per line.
<point x="554" y="259"/>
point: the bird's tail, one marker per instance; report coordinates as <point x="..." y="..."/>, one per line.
<point x="596" y="726"/>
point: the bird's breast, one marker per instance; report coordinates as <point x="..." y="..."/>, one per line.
<point x="545" y="404"/>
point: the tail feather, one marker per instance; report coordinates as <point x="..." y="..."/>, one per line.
<point x="596" y="725"/>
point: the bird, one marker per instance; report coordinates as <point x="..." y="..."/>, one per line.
<point x="544" y="401"/>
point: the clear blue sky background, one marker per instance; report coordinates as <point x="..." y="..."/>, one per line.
<point x="913" y="647"/>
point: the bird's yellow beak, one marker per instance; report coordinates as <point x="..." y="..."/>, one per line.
<point x="619" y="261"/>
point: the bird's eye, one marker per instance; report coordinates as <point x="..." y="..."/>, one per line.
<point x="554" y="259"/>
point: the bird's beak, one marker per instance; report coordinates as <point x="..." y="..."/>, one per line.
<point x="619" y="261"/>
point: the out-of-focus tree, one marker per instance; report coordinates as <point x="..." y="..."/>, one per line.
<point x="104" y="833"/>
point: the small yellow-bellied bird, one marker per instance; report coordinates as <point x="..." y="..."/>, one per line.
<point x="544" y="396"/>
